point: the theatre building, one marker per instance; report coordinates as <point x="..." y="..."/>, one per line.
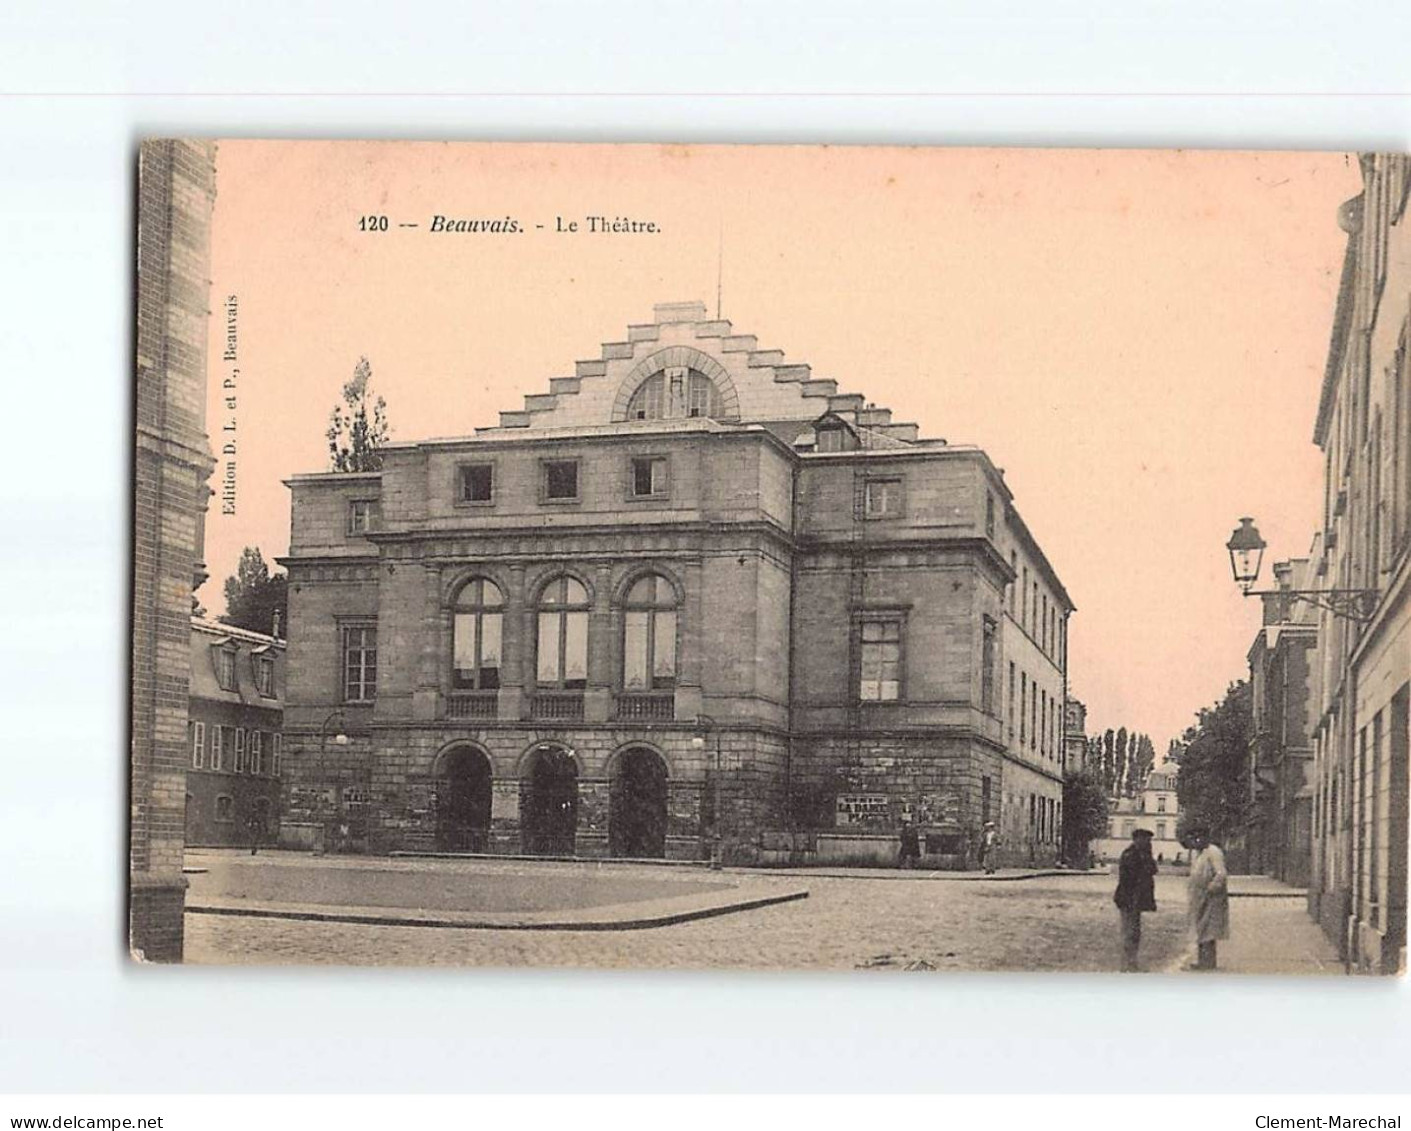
<point x="690" y="600"/>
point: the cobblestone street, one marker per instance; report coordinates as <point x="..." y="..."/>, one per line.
<point x="881" y="922"/>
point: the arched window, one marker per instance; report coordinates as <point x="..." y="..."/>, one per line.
<point x="563" y="635"/>
<point x="649" y="635"/>
<point x="674" y="393"/>
<point x="475" y="662"/>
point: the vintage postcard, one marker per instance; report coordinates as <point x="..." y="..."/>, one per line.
<point x="797" y="557"/>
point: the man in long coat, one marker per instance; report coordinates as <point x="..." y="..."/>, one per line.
<point x="1208" y="898"/>
<point x="1136" y="892"/>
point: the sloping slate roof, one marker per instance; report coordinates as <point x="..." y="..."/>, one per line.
<point x="205" y="637"/>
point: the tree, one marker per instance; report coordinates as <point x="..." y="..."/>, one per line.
<point x="354" y="439"/>
<point x="1084" y="814"/>
<point x="1111" y="772"/>
<point x="1143" y="757"/>
<point x="1094" y="759"/>
<point x="1212" y="787"/>
<point x="253" y="597"/>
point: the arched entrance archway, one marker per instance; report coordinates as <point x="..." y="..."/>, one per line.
<point x="549" y="803"/>
<point x="637" y="804"/>
<point x="463" y="795"/>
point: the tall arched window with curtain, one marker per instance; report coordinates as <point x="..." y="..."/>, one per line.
<point x="649" y="635"/>
<point x="562" y="657"/>
<point x="477" y="636"/>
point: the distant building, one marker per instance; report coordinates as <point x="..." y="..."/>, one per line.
<point x="1154" y="808"/>
<point x="691" y="598"/>
<point x="1359" y="874"/>
<point x="1075" y="735"/>
<point x="235" y="736"/>
<point x="1278" y="836"/>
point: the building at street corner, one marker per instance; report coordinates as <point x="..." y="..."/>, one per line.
<point x="1075" y="734"/>
<point x="1154" y="808"/>
<point x="1278" y="836"/>
<point x="234" y="732"/>
<point x="1358" y="884"/>
<point x="690" y="599"/>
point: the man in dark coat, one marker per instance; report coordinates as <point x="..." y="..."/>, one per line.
<point x="910" y="846"/>
<point x="1136" y="892"/>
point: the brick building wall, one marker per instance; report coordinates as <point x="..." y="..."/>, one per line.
<point x="176" y="188"/>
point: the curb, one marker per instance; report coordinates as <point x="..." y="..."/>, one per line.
<point x="371" y="919"/>
<point x="898" y="874"/>
<point x="408" y="854"/>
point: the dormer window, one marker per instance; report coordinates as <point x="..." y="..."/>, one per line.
<point x="223" y="655"/>
<point x="831" y="433"/>
<point x="264" y="673"/>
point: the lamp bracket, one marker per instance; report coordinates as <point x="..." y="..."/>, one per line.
<point x="1351" y="604"/>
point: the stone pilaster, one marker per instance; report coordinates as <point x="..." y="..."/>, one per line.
<point x="172" y="464"/>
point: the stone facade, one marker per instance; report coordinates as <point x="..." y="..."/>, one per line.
<point x="176" y="187"/>
<point x="1357" y="888"/>
<point x="844" y="626"/>
<point x="234" y="736"/>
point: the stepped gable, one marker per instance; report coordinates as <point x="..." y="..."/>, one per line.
<point x="753" y="385"/>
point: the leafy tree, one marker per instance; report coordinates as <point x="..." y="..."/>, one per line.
<point x="253" y="597"/>
<point x="1085" y="813"/>
<point x="1121" y="760"/>
<point x="1212" y="788"/>
<point x="355" y="439"/>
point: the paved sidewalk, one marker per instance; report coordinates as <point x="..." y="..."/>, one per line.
<point x="511" y="895"/>
<point x="1270" y="933"/>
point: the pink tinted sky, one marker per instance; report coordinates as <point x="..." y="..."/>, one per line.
<point x="1136" y="337"/>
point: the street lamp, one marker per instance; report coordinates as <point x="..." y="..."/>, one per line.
<point x="706" y="726"/>
<point x="339" y="739"/>
<point x="1246" y="549"/>
<point x="1246" y="554"/>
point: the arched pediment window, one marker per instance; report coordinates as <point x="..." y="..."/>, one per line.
<point x="478" y="636"/>
<point x="675" y="393"/>
<point x="649" y="635"/>
<point x="562" y="655"/>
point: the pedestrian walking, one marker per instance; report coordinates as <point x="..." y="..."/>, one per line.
<point x="989" y="842"/>
<point x="910" y="854"/>
<point x="1135" y="894"/>
<point x="1208" y="898"/>
<point x="256" y="827"/>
